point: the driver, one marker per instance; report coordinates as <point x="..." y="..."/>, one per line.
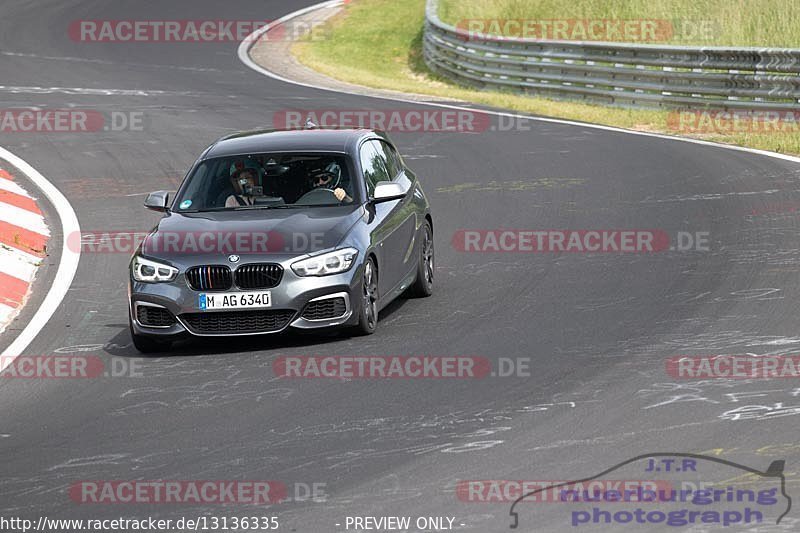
<point x="329" y="178"/>
<point x="244" y="187"/>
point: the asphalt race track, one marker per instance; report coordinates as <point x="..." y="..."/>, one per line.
<point x="596" y="328"/>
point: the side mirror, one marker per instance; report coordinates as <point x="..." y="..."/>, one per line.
<point x="386" y="191"/>
<point x="157" y="201"/>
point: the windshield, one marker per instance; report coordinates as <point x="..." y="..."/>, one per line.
<point x="265" y="181"/>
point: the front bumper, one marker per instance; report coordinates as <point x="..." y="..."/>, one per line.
<point x="289" y="303"/>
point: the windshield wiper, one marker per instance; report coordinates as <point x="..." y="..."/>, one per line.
<point x="257" y="207"/>
<point x="253" y="207"/>
<point x="207" y="210"/>
<point x="320" y="205"/>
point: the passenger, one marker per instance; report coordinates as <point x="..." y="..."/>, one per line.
<point x="244" y="187"/>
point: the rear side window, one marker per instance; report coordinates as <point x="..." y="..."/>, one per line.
<point x="373" y="163"/>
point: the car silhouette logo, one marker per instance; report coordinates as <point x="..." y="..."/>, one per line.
<point x="774" y="471"/>
<point x="233" y="258"/>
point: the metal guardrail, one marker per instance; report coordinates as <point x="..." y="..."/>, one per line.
<point x="613" y="73"/>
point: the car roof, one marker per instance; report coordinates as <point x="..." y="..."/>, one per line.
<point x="311" y="140"/>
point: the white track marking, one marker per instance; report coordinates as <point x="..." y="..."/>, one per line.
<point x="90" y="92"/>
<point x="14" y="262"/>
<point x="11" y="186"/>
<point x="67" y="265"/>
<point x="23" y="218"/>
<point x="252" y="39"/>
<point x="18" y="264"/>
<point x="7" y="313"/>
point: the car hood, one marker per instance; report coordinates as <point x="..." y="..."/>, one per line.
<point x="278" y="233"/>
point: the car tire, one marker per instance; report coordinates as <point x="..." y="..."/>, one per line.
<point x="368" y="310"/>
<point x="146" y="345"/>
<point x="423" y="284"/>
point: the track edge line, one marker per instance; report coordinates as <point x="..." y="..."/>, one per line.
<point x="67" y="266"/>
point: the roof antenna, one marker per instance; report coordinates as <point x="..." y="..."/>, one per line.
<point x="309" y="125"/>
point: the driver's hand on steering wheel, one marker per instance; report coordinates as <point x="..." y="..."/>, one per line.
<point x="339" y="193"/>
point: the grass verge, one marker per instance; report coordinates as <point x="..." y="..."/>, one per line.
<point x="774" y="23"/>
<point x="378" y="43"/>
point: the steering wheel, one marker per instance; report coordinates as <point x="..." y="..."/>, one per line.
<point x="320" y="195"/>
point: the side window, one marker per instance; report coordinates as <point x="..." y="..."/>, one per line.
<point x="392" y="158"/>
<point x="398" y="161"/>
<point x="374" y="166"/>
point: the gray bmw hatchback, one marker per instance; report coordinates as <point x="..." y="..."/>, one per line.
<point x="272" y="230"/>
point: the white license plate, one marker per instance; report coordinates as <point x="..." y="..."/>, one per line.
<point x="235" y="300"/>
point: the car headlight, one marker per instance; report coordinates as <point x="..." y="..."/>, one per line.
<point x="334" y="262"/>
<point x="149" y="271"/>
